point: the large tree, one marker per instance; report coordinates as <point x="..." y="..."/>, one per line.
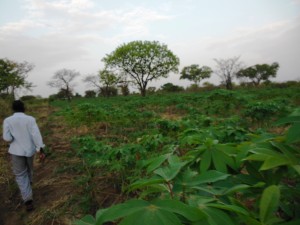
<point x="259" y="72"/>
<point x="195" y="74"/>
<point x="63" y="80"/>
<point x="13" y="76"/>
<point x="143" y="61"/>
<point x="227" y="70"/>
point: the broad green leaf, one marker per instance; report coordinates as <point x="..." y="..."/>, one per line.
<point x="121" y="210"/>
<point x="217" y="217"/>
<point x="236" y="188"/>
<point x="297" y="168"/>
<point x="151" y="216"/>
<point x="87" y="220"/>
<point x="287" y="151"/>
<point x="200" y="201"/>
<point x="250" y="221"/>
<point x="209" y="189"/>
<point x="168" y="173"/>
<point x="140" y="212"/>
<point x="154" y="188"/>
<point x="155" y="163"/>
<point x="183" y="179"/>
<point x="208" y="177"/>
<point x="173" y="159"/>
<point x="272" y="162"/>
<point x="205" y="161"/>
<point x="290" y="119"/>
<point x="232" y="208"/>
<point x="228" y="148"/>
<point x="257" y="157"/>
<point x="293" y="134"/>
<point x="268" y="203"/>
<point x="146" y="182"/>
<point x="265" y="151"/>
<point x="191" y="213"/>
<point x="219" y="162"/>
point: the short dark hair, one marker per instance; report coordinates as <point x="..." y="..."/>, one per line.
<point x="18" y="106"/>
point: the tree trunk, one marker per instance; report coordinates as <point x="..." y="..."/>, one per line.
<point x="13" y="92"/>
<point x="68" y="94"/>
<point x="143" y="91"/>
<point x="229" y="84"/>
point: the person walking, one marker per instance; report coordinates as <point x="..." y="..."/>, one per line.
<point x="24" y="137"/>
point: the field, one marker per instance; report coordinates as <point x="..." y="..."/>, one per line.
<point x="214" y="157"/>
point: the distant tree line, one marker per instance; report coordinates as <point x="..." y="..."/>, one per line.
<point x="136" y="64"/>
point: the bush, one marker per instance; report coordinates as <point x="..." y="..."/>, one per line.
<point x="27" y="98"/>
<point x="90" y="94"/>
<point x="263" y="112"/>
<point x="5" y="108"/>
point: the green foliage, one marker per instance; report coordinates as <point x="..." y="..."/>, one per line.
<point x="293" y="134"/>
<point x="259" y="72"/>
<point x="210" y="191"/>
<point x="263" y="112"/>
<point x="269" y="203"/>
<point x="166" y="151"/>
<point x="90" y="94"/>
<point x="28" y="98"/>
<point x="5" y="108"/>
<point x="86" y="113"/>
<point x="13" y="76"/>
<point x="169" y="87"/>
<point x="223" y="102"/>
<point x="143" y="61"/>
<point x="195" y="74"/>
<point x="148" y="213"/>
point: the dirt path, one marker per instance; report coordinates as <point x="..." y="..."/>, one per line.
<point x="52" y="188"/>
<point x="59" y="189"/>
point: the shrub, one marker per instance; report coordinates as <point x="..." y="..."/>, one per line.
<point x="5" y="108"/>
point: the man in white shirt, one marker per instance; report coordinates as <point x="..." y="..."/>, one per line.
<point x="25" y="139"/>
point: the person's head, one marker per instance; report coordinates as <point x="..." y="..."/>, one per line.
<point x="18" y="106"/>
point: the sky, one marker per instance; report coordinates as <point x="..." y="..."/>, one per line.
<point x="77" y="34"/>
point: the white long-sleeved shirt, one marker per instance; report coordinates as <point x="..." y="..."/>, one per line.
<point x="23" y="134"/>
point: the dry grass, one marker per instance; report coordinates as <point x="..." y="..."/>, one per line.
<point x="5" y="170"/>
<point x="50" y="214"/>
<point x="169" y="116"/>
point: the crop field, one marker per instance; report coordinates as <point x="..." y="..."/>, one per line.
<point x="207" y="158"/>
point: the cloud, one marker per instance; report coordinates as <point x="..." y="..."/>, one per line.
<point x="70" y="34"/>
<point x="295" y="2"/>
<point x="79" y="16"/>
<point x="76" y="34"/>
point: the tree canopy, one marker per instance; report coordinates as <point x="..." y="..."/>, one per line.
<point x="143" y="61"/>
<point x="169" y="87"/>
<point x="13" y="76"/>
<point x="259" y="72"/>
<point x="195" y="73"/>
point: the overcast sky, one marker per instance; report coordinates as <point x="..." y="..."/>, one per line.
<point x="77" y="34"/>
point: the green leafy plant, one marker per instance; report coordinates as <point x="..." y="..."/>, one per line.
<point x="263" y="112"/>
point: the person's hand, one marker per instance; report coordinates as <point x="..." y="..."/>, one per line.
<point x="42" y="155"/>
